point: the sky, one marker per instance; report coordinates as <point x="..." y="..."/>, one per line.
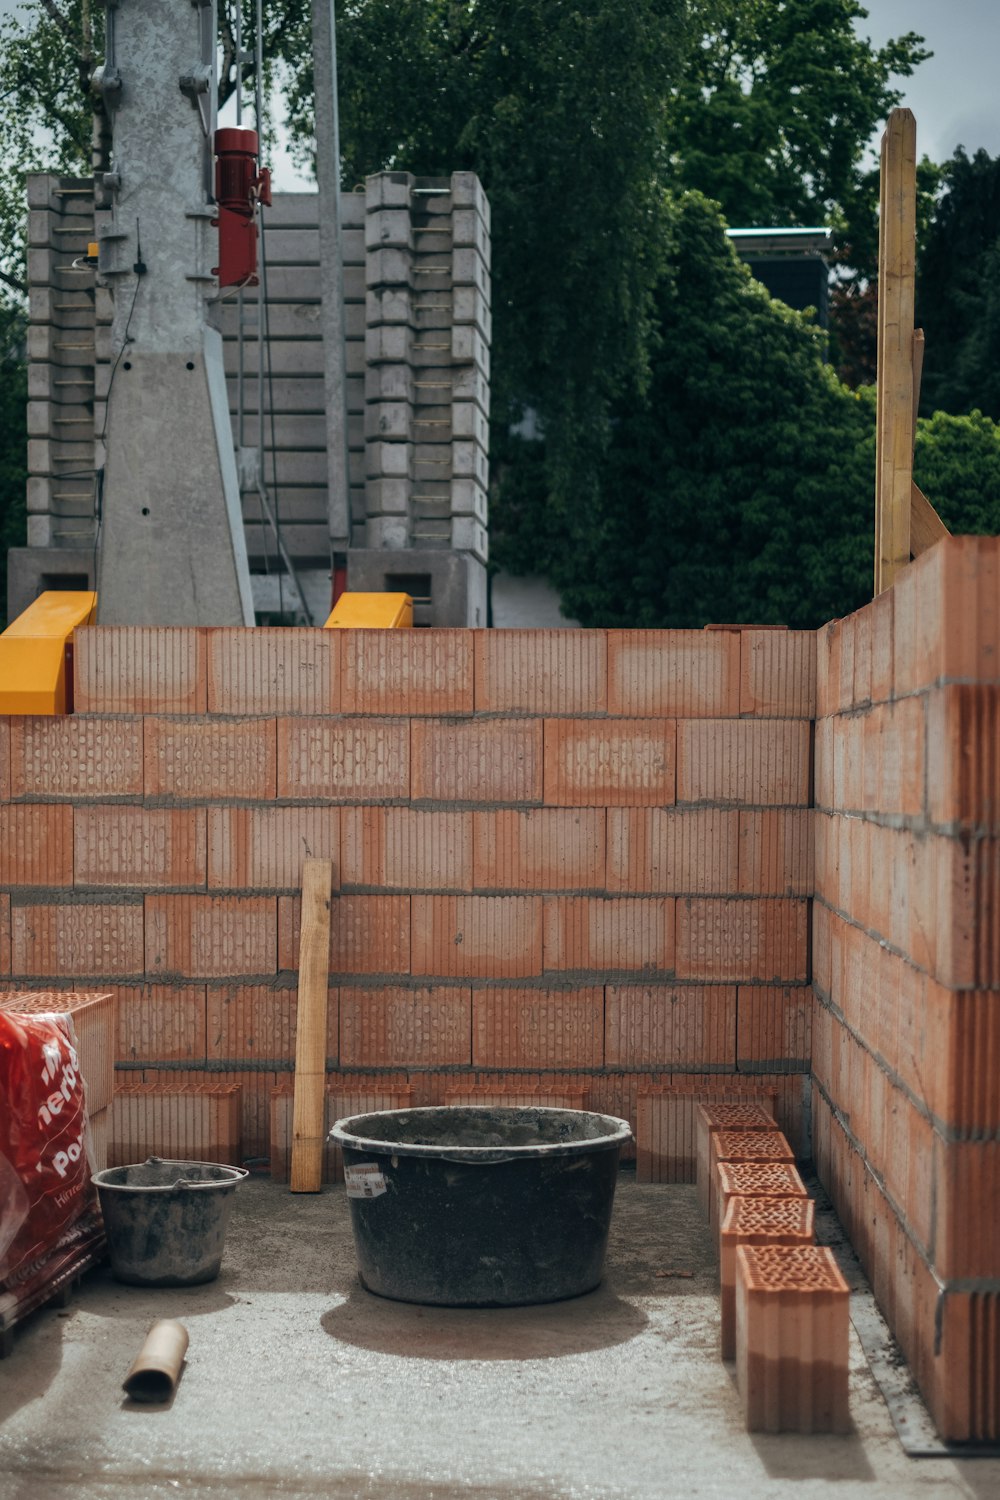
<point x="954" y="95"/>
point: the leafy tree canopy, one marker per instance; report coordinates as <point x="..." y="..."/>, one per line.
<point x="958" y="290"/>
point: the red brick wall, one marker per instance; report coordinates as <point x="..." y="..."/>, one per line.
<point x="559" y="855"/>
<point x="906" y="943"/>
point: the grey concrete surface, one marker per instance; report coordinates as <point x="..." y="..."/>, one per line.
<point x="298" y="1383"/>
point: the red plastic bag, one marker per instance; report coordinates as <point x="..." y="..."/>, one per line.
<point x="45" y="1165"/>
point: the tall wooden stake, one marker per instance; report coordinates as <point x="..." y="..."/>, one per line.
<point x="308" y="1104"/>
<point x="896" y="275"/>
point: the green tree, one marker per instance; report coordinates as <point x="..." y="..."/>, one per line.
<point x="740" y="488"/>
<point x="957" y="465"/>
<point x="559" y="108"/>
<point x="775" y="109"/>
<point x="958" y="290"/>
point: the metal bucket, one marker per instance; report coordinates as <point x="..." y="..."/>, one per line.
<point x="480" y="1206"/>
<point x="166" y="1220"/>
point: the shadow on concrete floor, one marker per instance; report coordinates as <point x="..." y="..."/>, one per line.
<point x="598" y="1320"/>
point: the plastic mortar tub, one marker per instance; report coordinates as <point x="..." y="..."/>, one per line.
<point x="166" y="1220"/>
<point x="480" y="1206"/>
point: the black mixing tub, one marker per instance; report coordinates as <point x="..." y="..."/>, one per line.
<point x="480" y="1206"/>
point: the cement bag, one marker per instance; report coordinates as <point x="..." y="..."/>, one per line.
<point x="46" y="1196"/>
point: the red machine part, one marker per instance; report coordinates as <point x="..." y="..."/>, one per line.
<point x="239" y="187"/>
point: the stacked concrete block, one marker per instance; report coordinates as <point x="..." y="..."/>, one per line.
<point x="62" y="438"/>
<point x="907" y="978"/>
<point x="756" y="1221"/>
<point x="792" y="1336"/>
<point x="417" y="325"/>
<point x="427" y="352"/>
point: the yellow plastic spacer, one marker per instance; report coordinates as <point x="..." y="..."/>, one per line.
<point x="371" y="612"/>
<point x="33" y="652"/>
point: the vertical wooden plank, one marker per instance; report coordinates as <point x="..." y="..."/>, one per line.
<point x="310" y="1040"/>
<point x="897" y="267"/>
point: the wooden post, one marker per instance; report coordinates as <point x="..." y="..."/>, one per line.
<point x="308" y="1103"/>
<point x="896" y="275"/>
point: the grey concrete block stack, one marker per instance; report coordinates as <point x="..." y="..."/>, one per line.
<point x="427" y="351"/>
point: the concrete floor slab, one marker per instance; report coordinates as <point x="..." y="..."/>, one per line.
<point x="299" y="1383"/>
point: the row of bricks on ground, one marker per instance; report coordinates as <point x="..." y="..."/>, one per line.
<point x="506" y="762"/>
<point x="940" y="622"/>
<point x="666" y="1028"/>
<point x="950" y="1337"/>
<point x="674" y="1096"/>
<point x="940" y="1045"/>
<point x="670" y="673"/>
<point x="944" y="1190"/>
<point x="488" y="937"/>
<point x="935" y="899"/>
<point x="649" y="851"/>
<point x="932" y="760"/>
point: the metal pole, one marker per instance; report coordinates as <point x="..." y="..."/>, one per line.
<point x="331" y="256"/>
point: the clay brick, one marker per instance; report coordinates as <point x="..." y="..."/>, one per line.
<point x="203" y="758"/>
<point x="120" y="845"/>
<point x="36" y="845"/>
<point x="481" y="761"/>
<point x="95" y="938"/>
<point x="966" y="1190"/>
<point x="368" y="934"/>
<point x="773" y="1028"/>
<point x="392" y="1027"/>
<point x="540" y="849"/>
<point x="486" y="937"/>
<point x="947" y="615"/>
<point x="342" y="1101"/>
<point x="759" y="762"/>
<point x="615" y="935"/>
<point x="778" y="673"/>
<point x="685" y="673"/>
<point x="76" y="757"/>
<point x="710" y="1118"/>
<point x="93" y="1021"/>
<point x="541" y="671"/>
<point x="5" y="725"/>
<point x="211" y="936"/>
<point x="99" y="1130"/>
<point x="690" y="851"/>
<point x="262" y="848"/>
<point x="731" y="1147"/>
<point x="960" y="1058"/>
<point x="402" y="849"/>
<point x="277" y="671"/>
<point x="666" y="1120"/>
<point x="343" y="760"/>
<point x="557" y="1096"/>
<point x="161" y="1023"/>
<point x="671" y="1027"/>
<point x="756" y="1221"/>
<point x="771" y="1179"/>
<point x="881" y="612"/>
<point x="828" y="669"/>
<point x="5" y="954"/>
<point x="895" y="745"/>
<point x="139" y="669"/>
<point x="742" y="940"/>
<point x="257" y="1023"/>
<point x="526" y="1028"/>
<point x="601" y="763"/>
<point x="963" y="758"/>
<point x="179" y="1121"/>
<point x="776" y="853"/>
<point x="406" y="671"/>
<point x="792" y="1339"/>
<point x="861" y="692"/>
